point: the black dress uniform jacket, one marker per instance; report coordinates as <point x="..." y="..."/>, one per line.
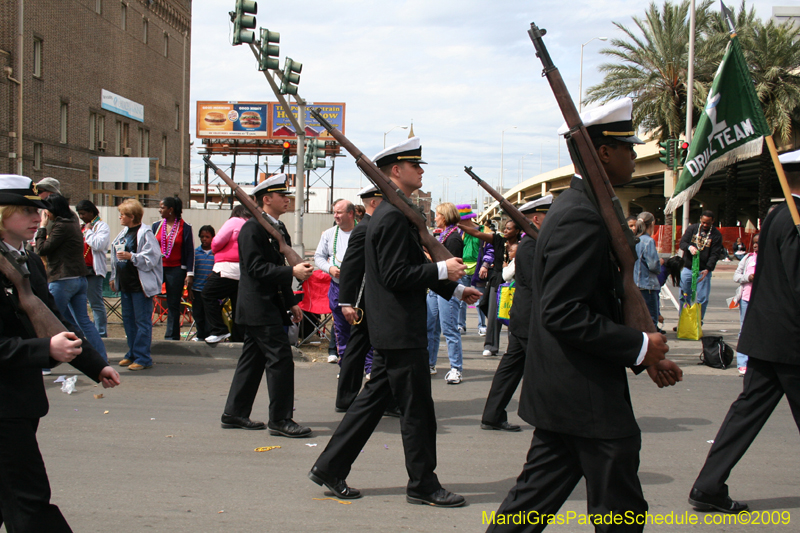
<point x="265" y="283"/>
<point x="397" y="275"/>
<point x="352" y="269"/>
<point x="520" y="313"/>
<point x="575" y="371"/>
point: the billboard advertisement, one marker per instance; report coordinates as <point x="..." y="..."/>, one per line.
<point x="260" y="120"/>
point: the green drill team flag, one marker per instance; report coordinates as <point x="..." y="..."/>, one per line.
<point x="732" y="127"/>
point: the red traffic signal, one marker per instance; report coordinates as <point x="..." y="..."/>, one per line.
<point x="286" y="145"/>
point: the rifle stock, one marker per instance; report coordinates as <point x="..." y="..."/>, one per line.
<point x="390" y="192"/>
<point x="516" y="215"/>
<point x="292" y="257"/>
<point x="634" y="309"/>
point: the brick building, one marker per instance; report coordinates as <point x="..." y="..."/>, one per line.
<point x="100" y="78"/>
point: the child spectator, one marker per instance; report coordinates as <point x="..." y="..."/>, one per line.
<point x="203" y="265"/>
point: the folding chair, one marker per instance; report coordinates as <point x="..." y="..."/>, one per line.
<point x="160" y="309"/>
<point x="111" y="299"/>
<point x="315" y="302"/>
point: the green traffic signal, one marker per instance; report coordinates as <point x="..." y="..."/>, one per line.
<point x="316" y="152"/>
<point x="683" y="151"/>
<point x="291" y="76"/>
<point x="244" y="21"/>
<point x="286" y="153"/>
<point x="268" y="60"/>
<point x="667" y="152"/>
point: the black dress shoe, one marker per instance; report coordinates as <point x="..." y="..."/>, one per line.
<point x="502" y="426"/>
<point x="340" y="409"/>
<point x="705" y="502"/>
<point x="240" y="422"/>
<point x="440" y="498"/>
<point x="288" y="428"/>
<point x="393" y="412"/>
<point x="337" y="486"/>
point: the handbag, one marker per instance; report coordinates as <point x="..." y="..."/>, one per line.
<point x="716" y="353"/>
<point x="689" y="320"/>
<point x="505" y="297"/>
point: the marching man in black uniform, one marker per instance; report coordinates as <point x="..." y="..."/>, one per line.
<point x="263" y="307"/>
<point x="575" y="389"/>
<point x="24" y="489"/>
<point x="769" y="338"/>
<point x="512" y="365"/>
<point x="397" y="276"/>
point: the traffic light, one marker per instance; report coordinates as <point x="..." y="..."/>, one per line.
<point x="667" y="153"/>
<point x="291" y="76"/>
<point x="268" y="60"/>
<point x="244" y="21"/>
<point x="286" y="146"/>
<point x="680" y="157"/>
<point x="315" y="152"/>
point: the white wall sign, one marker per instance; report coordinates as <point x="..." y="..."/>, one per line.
<point x="123" y="169"/>
<point x="122" y="106"/>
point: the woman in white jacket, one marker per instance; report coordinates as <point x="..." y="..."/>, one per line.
<point x="96" y="238"/>
<point x="136" y="271"/>
<point x="744" y="277"/>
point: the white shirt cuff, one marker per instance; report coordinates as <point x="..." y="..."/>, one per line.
<point x="459" y="292"/>
<point x="345" y="305"/>
<point x="643" y="351"/>
<point x="442" y="266"/>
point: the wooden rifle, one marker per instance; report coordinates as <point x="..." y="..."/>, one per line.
<point x="292" y="257"/>
<point x="515" y="214"/>
<point x="390" y="192"/>
<point x="587" y="162"/>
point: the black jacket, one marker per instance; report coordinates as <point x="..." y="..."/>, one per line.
<point x="352" y="269"/>
<point x="520" y="312"/>
<point x="575" y="378"/>
<point x="23" y="356"/>
<point x="397" y="275"/>
<point x="771" y="327"/>
<point x="708" y="255"/>
<point x="265" y="281"/>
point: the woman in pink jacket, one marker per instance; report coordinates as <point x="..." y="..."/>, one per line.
<point x="223" y="282"/>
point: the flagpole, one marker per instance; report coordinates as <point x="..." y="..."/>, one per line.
<point x="689" y="108"/>
<point x="787" y="193"/>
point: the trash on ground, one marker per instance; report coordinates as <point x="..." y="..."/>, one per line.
<point x="266" y="448"/>
<point x="60" y="379"/>
<point x="98" y="396"/>
<point x="311" y="444"/>
<point x="68" y="385"/>
<point x="334" y="499"/>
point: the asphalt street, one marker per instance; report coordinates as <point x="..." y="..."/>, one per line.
<point x="150" y="455"/>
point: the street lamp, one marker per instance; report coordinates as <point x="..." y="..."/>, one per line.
<point x="502" y="142"/>
<point x="580" y="83"/>
<point x="393" y="128"/>
<point x="522" y="166"/>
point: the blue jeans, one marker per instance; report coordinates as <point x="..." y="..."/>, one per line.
<point x="70" y="298"/>
<point x="462" y="305"/>
<point x="442" y="318"/>
<point x="703" y="288"/>
<point x="94" y="294"/>
<point x="137" y="316"/>
<point x="481" y="316"/>
<point x="651" y="299"/>
<point x="741" y="359"/>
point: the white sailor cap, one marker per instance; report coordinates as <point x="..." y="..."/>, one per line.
<point x="409" y="150"/>
<point x="370" y="191"/>
<point x="609" y="121"/>
<point x="19" y="190"/>
<point x="540" y="205"/>
<point x="275" y="183"/>
<point x="790" y="160"/>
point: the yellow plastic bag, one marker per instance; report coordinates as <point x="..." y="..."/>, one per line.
<point x="689" y="322"/>
<point x="505" y="297"/>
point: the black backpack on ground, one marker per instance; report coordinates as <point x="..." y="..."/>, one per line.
<point x="716" y="353"/>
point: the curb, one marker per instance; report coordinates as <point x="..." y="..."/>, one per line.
<point x="230" y="350"/>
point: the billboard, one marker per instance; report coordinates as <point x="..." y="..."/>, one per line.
<point x="260" y="120"/>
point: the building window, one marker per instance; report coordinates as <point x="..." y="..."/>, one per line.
<point x="101" y="129"/>
<point x="177" y="117"/>
<point x="124" y="16"/>
<point x="98" y="6"/>
<point x="164" y="151"/>
<point x="37" y="156"/>
<point x="146" y="144"/>
<point x="166" y="44"/>
<point x="92" y="136"/>
<point x="126" y="139"/>
<point x="63" y="122"/>
<point x="118" y="142"/>
<point x="144" y="30"/>
<point x="37" y="57"/>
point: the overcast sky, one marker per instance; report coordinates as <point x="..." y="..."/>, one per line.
<point x="462" y="71"/>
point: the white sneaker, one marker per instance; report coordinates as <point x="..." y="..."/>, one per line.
<point x="333" y="359"/>
<point x="433" y="370"/>
<point x="482" y="332"/>
<point x="367" y="377"/>
<point x="461" y="330"/>
<point x="214" y="339"/>
<point x="46" y="371"/>
<point x="487" y="353"/>
<point x="453" y="377"/>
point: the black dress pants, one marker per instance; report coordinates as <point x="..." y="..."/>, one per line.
<point x="266" y="348"/>
<point x="174" y="280"/>
<point x="352" y="365"/>
<point x="218" y="288"/>
<point x="24" y="489"/>
<point x="199" y="314"/>
<point x="506" y="379"/>
<point x="555" y="464"/>
<point x="405" y="375"/>
<point x="765" y="383"/>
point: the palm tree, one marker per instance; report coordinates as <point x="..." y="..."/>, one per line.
<point x="651" y="68"/>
